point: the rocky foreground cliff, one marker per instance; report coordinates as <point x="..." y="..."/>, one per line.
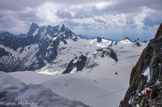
<point x="145" y="88"/>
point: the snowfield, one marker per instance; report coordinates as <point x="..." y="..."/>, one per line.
<point x="16" y="93"/>
<point x="98" y="86"/>
<point x="71" y="50"/>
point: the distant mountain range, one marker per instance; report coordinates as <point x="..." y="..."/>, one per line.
<point x="98" y="69"/>
<point x="92" y="37"/>
<point x="34" y="50"/>
<point x="42" y="46"/>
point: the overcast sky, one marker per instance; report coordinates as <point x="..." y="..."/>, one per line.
<point x="113" y="19"/>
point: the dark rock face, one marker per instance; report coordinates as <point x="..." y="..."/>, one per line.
<point x="113" y="55"/>
<point x="137" y="43"/>
<point x="99" y="39"/>
<point x="34" y="50"/>
<point x="147" y="74"/>
<point x="108" y="52"/>
<point x="32" y="29"/>
<point x="79" y="63"/>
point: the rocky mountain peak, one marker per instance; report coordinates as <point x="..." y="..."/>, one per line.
<point x="33" y="26"/>
<point x="32" y="29"/>
<point x="159" y="32"/>
<point x="63" y="28"/>
<point x="137" y="40"/>
<point x="137" y="43"/>
<point x="38" y="47"/>
<point x="49" y="32"/>
<point x="99" y="39"/>
<point x="127" y="38"/>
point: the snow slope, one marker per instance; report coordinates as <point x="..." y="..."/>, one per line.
<point x="9" y="80"/>
<point x="31" y="95"/>
<point x="30" y="77"/>
<point x="98" y="86"/>
<point x="75" y="86"/>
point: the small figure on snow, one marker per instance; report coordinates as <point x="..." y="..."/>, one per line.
<point x="116" y="73"/>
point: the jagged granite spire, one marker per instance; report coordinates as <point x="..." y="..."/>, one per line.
<point x="32" y="28"/>
<point x="63" y="28"/>
<point x="34" y="24"/>
<point x="35" y="46"/>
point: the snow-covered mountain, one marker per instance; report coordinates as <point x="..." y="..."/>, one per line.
<point x="33" y="51"/>
<point x="47" y="48"/>
<point x="97" y="72"/>
<point x="94" y="71"/>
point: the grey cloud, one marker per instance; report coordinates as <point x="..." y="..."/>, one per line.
<point x="70" y="23"/>
<point x="19" y="5"/>
<point x="79" y="13"/>
<point x="120" y="6"/>
<point x="130" y="22"/>
<point x="64" y="14"/>
<point x="13" y="12"/>
<point x="99" y="20"/>
<point x="74" y="2"/>
<point x="10" y="20"/>
<point x="29" y="16"/>
<point x="7" y="20"/>
<point x="8" y="23"/>
<point x="133" y="5"/>
<point x="85" y="26"/>
<point x="153" y="19"/>
<point x="145" y="28"/>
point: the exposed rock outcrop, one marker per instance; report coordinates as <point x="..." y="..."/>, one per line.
<point x="108" y="52"/>
<point x="127" y="38"/>
<point x="81" y="62"/>
<point x="137" y="43"/>
<point x="147" y="74"/>
<point x="99" y="39"/>
<point x="76" y="64"/>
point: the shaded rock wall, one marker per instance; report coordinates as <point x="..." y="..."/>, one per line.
<point x="79" y="63"/>
<point x="147" y="73"/>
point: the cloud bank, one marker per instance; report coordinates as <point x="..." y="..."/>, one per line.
<point x="107" y="18"/>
